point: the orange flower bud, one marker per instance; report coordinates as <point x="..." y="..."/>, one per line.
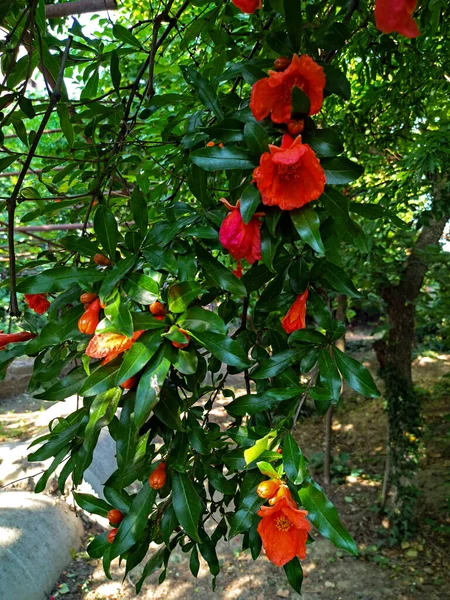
<point x="157" y="479"/>
<point x="37" y="302"/>
<point x="102" y="260"/>
<point x="281" y="63"/>
<point x="130" y="383"/>
<point x="111" y="535"/>
<point x="89" y="320"/>
<point x="157" y="310"/>
<point x="268" y="488"/>
<point x="296" y="126"/>
<point x="115" y="516"/>
<point x="283" y="492"/>
<point x="295" y="317"/>
<point x="88" y="297"/>
<point x="180" y="344"/>
<point x="210" y="144"/>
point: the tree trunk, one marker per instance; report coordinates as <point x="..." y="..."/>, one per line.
<point x="403" y="406"/>
<point x="340" y="343"/>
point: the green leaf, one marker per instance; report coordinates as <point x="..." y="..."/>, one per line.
<point x="138" y="355"/>
<point x="58" y="331"/>
<point x="119" y="499"/>
<point x="204" y="90"/>
<point x="151" y="566"/>
<point x="269" y="247"/>
<point x="218" y="273"/>
<point x="251" y="454"/>
<point x="325" y="518"/>
<point x="160" y="259"/>
<point x="293" y="21"/>
<point x="114" y="70"/>
<point x="194" y="563"/>
<point x="266" y="469"/>
<point x="336" y="204"/>
<point x="139" y="210"/>
<point x="106" y="229"/>
<point x="251" y="404"/>
<point x="168" y="409"/>
<point x="187" y="505"/>
<point x="300" y="102"/>
<point x="58" y="280"/>
<point x="149" y="387"/>
<point x="199" y="320"/>
<point x="256" y="139"/>
<point x="356" y="374"/>
<point x="329" y="375"/>
<point x="246" y="515"/>
<point x="336" y="82"/>
<point x="66" y="125"/>
<point x="293" y="460"/>
<point x="219" y="482"/>
<point x="340" y="170"/>
<point x="98" y="546"/>
<point x="223" y="159"/>
<point x="67" y="386"/>
<point x="182" y="294"/>
<point x="294" y="574"/>
<point x="277" y="363"/>
<point x="224" y="348"/>
<point x="250" y="200"/>
<point x="198" y="184"/>
<point x="6" y="162"/>
<point x="90" y="87"/>
<point x="307" y="224"/>
<point x="135" y="522"/>
<point x="168" y="523"/>
<point x="101" y="380"/>
<point x="92" y="504"/>
<point x="115" y="275"/>
<point x="141" y="288"/>
<point x="339" y="280"/>
<point x="324" y="142"/>
<point x="121" y="33"/>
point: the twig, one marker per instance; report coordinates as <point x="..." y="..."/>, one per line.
<point x="311" y="382"/>
<point x="37" y="237"/>
<point x="12" y="202"/>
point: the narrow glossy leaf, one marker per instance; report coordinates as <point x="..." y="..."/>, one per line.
<point x="246" y="515"/>
<point x="339" y="280"/>
<point x="356" y="374"/>
<point x="223" y="159"/>
<point x="138" y="355"/>
<point x="161" y="259"/>
<point x="266" y="469"/>
<point x="325" y="518"/>
<point x="324" y="142"/>
<point x="194" y="563"/>
<point x="269" y="247"/>
<point x="58" y="280"/>
<point x="113" y="277"/>
<point x="218" y="273"/>
<point x="198" y="184"/>
<point x="293" y="20"/>
<point x="293" y="460"/>
<point x="121" y="33"/>
<point x="336" y="204"/>
<point x="198" y="320"/>
<point x="256" y="139"/>
<point x="204" y="90"/>
<point x="139" y="210"/>
<point x="55" y="332"/>
<point x="300" y="101"/>
<point x="329" y="375"/>
<point x="277" y="363"/>
<point x="307" y="224"/>
<point x="151" y="566"/>
<point x="106" y="229"/>
<point x="168" y="523"/>
<point x="168" y="409"/>
<point x="149" y="387"/>
<point x="134" y="523"/>
<point x="92" y="504"/>
<point x="250" y="200"/>
<point x="66" y="125"/>
<point x="118" y="499"/>
<point x="336" y="82"/>
<point x="294" y="574"/>
<point x="341" y="170"/>
<point x="67" y="386"/>
<point x="224" y="348"/>
<point x="98" y="546"/>
<point x="251" y="404"/>
<point x="187" y="505"/>
<point x="182" y="294"/>
<point x="101" y="380"/>
<point x="219" y="482"/>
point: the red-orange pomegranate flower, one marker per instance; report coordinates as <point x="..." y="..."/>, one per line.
<point x="248" y="6"/>
<point x="37" y="302"/>
<point x="396" y="15"/>
<point x="290" y="176"/>
<point x="296" y="316"/>
<point x="273" y="94"/>
<point x="284" y="531"/>
<point x="240" y="239"/>
<point x="11" y="338"/>
<point x="110" y="345"/>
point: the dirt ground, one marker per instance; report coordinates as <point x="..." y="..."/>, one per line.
<point x="418" y="569"/>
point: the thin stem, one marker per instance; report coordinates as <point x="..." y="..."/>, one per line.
<point x="311" y="382"/>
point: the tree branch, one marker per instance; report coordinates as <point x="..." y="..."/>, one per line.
<point x="65" y="9"/>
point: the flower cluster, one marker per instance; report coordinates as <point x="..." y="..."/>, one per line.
<point x="283" y="527"/>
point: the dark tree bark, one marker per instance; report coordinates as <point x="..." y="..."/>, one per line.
<point x="394" y="354"/>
